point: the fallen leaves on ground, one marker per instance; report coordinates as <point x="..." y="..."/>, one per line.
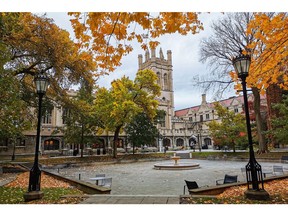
<point x="22" y="181"/>
<point x="52" y="188"/>
<point x="277" y="189"/>
<point x="273" y="188"/>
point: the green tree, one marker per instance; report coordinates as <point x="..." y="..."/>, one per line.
<point x="30" y="44"/>
<point x="15" y="116"/>
<point x="230" y="130"/>
<point x="141" y="131"/>
<point x="35" y="44"/>
<point x="80" y="121"/>
<point x="280" y="124"/>
<point x="125" y="99"/>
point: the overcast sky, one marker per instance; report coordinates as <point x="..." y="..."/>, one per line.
<point x="185" y="60"/>
<point x="185" y="49"/>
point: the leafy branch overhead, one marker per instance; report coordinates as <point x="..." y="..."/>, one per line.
<point x="35" y="44"/>
<point x="110" y="35"/>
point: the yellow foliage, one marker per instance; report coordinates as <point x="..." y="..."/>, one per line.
<point x="106" y="31"/>
<point x="269" y="65"/>
<point x="38" y="44"/>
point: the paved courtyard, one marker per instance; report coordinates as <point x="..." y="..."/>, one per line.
<point x="140" y="178"/>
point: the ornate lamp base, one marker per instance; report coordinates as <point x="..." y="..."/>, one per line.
<point x="257" y="194"/>
<point x="33" y="195"/>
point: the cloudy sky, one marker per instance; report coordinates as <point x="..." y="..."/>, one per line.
<point x="185" y="49"/>
<point x="185" y="59"/>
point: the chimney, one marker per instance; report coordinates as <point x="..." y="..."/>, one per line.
<point x="204" y="99"/>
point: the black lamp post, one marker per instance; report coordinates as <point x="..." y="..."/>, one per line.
<point x="253" y="170"/>
<point x="41" y="82"/>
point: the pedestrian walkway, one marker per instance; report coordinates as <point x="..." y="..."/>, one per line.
<point x="131" y="199"/>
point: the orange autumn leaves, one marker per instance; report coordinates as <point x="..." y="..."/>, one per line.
<point x="275" y="188"/>
<point x="109" y="34"/>
<point x="22" y="180"/>
<point x="34" y="44"/>
<point x="268" y="51"/>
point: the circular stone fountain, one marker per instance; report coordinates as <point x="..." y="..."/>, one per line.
<point x="176" y="165"/>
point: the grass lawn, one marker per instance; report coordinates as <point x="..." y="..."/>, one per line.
<point x="53" y="189"/>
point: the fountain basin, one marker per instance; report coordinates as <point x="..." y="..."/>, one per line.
<point x="178" y="166"/>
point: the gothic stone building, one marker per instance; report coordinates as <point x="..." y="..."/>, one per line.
<point x="177" y="131"/>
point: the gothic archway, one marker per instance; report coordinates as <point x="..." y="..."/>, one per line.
<point x="166" y="142"/>
<point x="99" y="143"/>
<point x="179" y="142"/>
<point x="51" y="144"/>
<point x="207" y="142"/>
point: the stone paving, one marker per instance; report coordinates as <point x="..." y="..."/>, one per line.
<point x="139" y="183"/>
<point x="140" y="178"/>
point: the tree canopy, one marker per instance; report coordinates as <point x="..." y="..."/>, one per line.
<point x="125" y="99"/>
<point x="269" y="63"/>
<point x="109" y="34"/>
<point x="230" y="131"/>
<point x="141" y="131"/>
<point x="34" y="44"/>
<point x="280" y="124"/>
<point x="81" y="122"/>
<point x="228" y="38"/>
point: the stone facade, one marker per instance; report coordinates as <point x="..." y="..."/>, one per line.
<point x="178" y="131"/>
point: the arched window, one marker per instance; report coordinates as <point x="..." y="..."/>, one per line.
<point x="166" y="142"/>
<point x="51" y="144"/>
<point x="179" y="142"/>
<point x="207" y="141"/>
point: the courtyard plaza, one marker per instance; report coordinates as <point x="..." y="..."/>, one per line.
<point x="140" y="178"/>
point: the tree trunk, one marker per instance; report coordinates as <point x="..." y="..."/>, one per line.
<point x="82" y="139"/>
<point x="116" y="136"/>
<point x="259" y="122"/>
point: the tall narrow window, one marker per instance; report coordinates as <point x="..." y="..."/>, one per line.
<point x="65" y="115"/>
<point x="47" y="117"/>
<point x="166" y="87"/>
<point x="201" y="118"/>
<point x="159" y="78"/>
<point x="162" y="121"/>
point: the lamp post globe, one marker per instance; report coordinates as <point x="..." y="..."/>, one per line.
<point x="34" y="192"/>
<point x="254" y="175"/>
<point x="242" y="65"/>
